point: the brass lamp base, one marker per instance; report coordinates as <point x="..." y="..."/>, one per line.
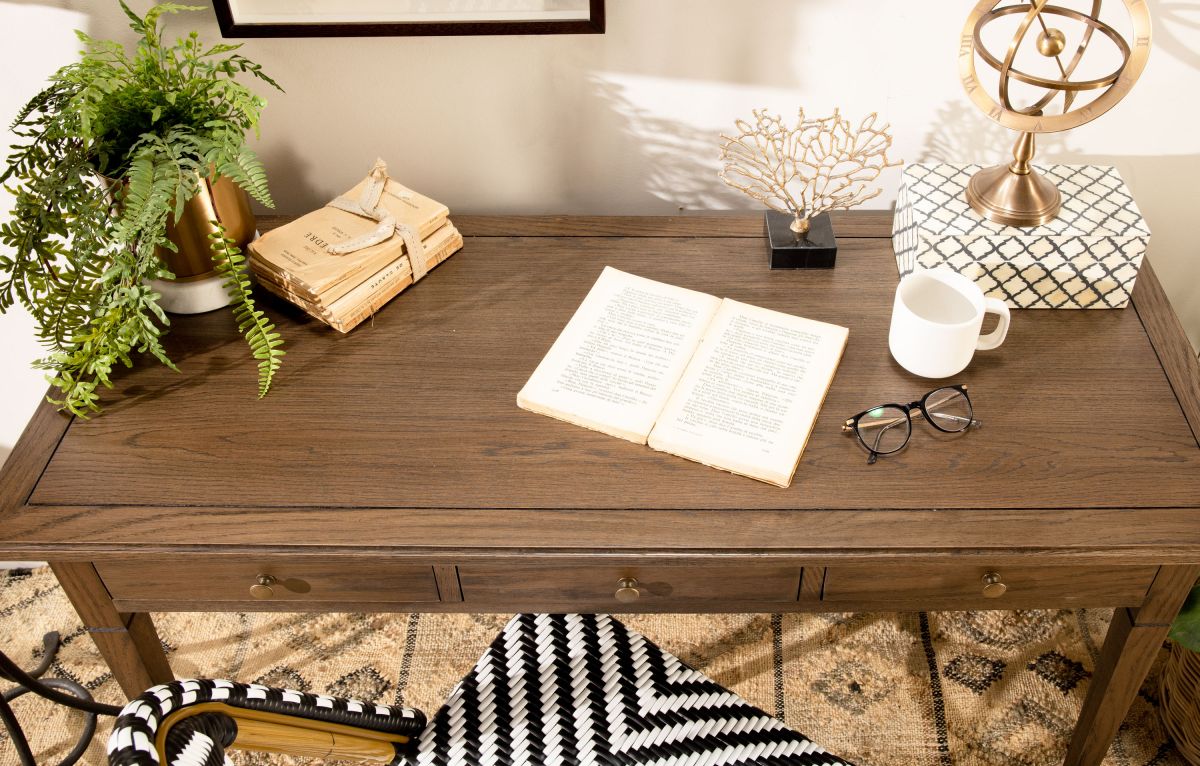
<point x="1015" y="194"/>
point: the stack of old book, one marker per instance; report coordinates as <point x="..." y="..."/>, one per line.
<point x="342" y="263"/>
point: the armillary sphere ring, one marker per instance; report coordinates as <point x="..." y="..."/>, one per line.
<point x="1030" y="119"/>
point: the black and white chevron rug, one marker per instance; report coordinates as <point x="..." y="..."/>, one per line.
<point x="584" y="689"/>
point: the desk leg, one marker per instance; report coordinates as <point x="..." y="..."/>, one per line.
<point x="1133" y="640"/>
<point x="128" y="642"/>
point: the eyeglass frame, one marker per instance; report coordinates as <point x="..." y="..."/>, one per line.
<point x="851" y="424"/>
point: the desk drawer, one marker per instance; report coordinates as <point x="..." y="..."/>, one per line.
<point x="549" y="586"/>
<point x="295" y="581"/>
<point x="1007" y="587"/>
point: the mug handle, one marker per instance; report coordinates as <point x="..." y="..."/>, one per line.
<point x="994" y="338"/>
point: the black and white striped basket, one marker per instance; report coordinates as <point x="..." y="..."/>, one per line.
<point x="200" y="740"/>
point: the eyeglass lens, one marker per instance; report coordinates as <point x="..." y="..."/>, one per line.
<point x="884" y="429"/>
<point x="949" y="410"/>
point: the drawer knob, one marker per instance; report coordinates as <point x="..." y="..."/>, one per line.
<point x="627" y="590"/>
<point x="993" y="586"/>
<point x="261" y="589"/>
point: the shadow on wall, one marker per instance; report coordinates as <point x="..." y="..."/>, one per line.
<point x="959" y="132"/>
<point x="676" y="162"/>
<point x="673" y="76"/>
<point x="712" y="40"/>
<point x="289" y="170"/>
<point x="1175" y="23"/>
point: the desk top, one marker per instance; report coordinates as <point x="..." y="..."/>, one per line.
<point x="406" y="431"/>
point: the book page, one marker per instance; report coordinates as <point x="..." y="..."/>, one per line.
<point x="615" y="364"/>
<point x="751" y="394"/>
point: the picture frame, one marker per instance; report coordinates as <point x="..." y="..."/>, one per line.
<point x="401" y="18"/>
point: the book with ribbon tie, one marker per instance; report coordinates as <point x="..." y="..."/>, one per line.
<point x="344" y="261"/>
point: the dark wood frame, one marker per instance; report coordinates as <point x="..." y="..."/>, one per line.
<point x="230" y="27"/>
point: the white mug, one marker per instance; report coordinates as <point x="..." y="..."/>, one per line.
<point x="936" y="321"/>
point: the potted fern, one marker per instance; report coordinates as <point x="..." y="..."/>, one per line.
<point x="115" y="157"/>
<point x="1180" y="681"/>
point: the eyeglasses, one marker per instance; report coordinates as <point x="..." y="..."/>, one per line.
<point x="887" y="428"/>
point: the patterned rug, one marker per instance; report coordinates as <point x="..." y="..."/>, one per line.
<point x="943" y="689"/>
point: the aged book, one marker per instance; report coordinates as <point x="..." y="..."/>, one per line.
<point x="435" y="253"/>
<point x="295" y="254"/>
<point x="360" y="303"/>
<point x="724" y="383"/>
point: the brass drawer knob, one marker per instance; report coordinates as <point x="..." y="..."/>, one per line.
<point x="993" y="586"/>
<point x="627" y="590"/>
<point x="262" y="589"/>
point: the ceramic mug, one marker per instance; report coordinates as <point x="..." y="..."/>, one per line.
<point x="936" y="321"/>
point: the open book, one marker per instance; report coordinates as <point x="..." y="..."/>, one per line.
<point x="730" y="385"/>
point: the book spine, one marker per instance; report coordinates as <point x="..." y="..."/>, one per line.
<point x="389" y="285"/>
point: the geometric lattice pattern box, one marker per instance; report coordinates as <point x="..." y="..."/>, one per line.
<point x="1086" y="258"/>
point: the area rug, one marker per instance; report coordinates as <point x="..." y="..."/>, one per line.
<point x="943" y="689"/>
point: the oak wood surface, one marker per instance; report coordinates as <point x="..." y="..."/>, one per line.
<point x="812" y="582"/>
<point x="1061" y="535"/>
<point x="1078" y="415"/>
<point x="128" y="642"/>
<point x="33" y="450"/>
<point x="311" y="579"/>
<point x="1133" y="642"/>
<point x="1082" y="431"/>
<point x="504" y="582"/>
<point x="1167" y="593"/>
<point x="145" y="645"/>
<point x="1170" y="342"/>
<point x="1125" y="658"/>
<point x="449" y="587"/>
<point x="961" y="587"/>
<point x="859" y="223"/>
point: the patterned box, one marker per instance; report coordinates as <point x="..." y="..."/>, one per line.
<point x="1087" y="257"/>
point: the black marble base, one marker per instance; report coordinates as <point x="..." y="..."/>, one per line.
<point x="815" y="250"/>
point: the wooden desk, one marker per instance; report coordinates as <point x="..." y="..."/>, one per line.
<point x="391" y="470"/>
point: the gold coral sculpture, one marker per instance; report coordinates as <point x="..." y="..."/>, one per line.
<point x="816" y="166"/>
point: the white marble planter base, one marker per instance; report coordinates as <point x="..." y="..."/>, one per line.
<point x="195" y="297"/>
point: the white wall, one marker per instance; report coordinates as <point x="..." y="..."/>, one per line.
<point x="627" y="122"/>
<point x="34" y="41"/>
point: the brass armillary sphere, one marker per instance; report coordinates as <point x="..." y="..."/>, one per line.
<point x="1015" y="194"/>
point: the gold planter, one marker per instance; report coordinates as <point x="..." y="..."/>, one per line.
<point x="220" y="200"/>
<point x="1179" y="693"/>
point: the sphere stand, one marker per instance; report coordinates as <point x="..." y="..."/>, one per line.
<point x="52" y="689"/>
<point x="1015" y="194"/>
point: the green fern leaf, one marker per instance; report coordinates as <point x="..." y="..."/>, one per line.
<point x="247" y="171"/>
<point x="260" y="334"/>
<point x="157" y="117"/>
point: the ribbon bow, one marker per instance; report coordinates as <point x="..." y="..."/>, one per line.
<point x="367" y="205"/>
